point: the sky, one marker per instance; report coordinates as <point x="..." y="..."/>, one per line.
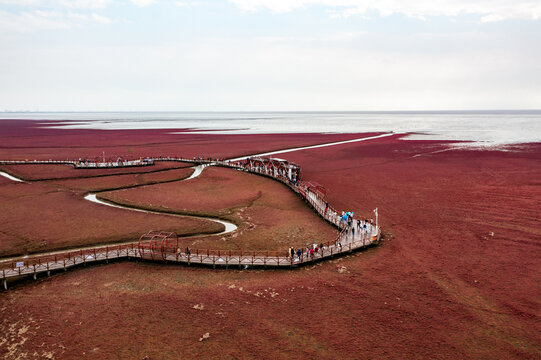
<point x="269" y="55"/>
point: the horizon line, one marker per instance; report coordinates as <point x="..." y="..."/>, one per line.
<point x="267" y="111"/>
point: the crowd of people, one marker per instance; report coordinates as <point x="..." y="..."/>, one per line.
<point x="309" y="252"/>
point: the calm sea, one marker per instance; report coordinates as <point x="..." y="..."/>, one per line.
<point x="481" y="127"/>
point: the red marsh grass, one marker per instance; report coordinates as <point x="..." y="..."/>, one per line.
<point x="39" y="217"/>
<point x="457" y="275"/>
<point x="120" y="181"/>
<point x="47" y="171"/>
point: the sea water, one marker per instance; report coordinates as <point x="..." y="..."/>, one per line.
<point x="481" y="128"/>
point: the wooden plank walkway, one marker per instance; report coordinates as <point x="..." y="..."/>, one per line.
<point x="81" y="164"/>
<point x="33" y="265"/>
<point x="346" y="241"/>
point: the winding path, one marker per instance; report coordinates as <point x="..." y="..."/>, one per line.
<point x="228" y="226"/>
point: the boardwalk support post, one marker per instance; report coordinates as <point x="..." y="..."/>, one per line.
<point x="5" y="284"/>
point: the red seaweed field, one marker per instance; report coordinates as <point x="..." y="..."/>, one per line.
<point x="101" y="183"/>
<point x="455" y="277"/>
<point x="41" y="217"/>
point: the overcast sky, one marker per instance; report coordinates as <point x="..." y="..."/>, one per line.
<point x="220" y="55"/>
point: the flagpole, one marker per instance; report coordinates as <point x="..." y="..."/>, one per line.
<point x="377" y="228"/>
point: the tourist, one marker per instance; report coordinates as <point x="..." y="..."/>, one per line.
<point x="188" y="251"/>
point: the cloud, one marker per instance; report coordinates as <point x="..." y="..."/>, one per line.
<point x="142" y="3"/>
<point x="101" y="19"/>
<point x="490" y="10"/>
<point x="84" y="4"/>
<point x="340" y="37"/>
<point x="188" y="4"/>
<point x="72" y="4"/>
<point x="31" y="21"/>
<point x="492" y="18"/>
<point x="268" y="76"/>
<point x="21" y="2"/>
<point x="35" y="20"/>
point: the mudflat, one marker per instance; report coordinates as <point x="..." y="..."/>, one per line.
<point x="457" y="275"/>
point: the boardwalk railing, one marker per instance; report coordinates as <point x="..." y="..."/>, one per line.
<point x="81" y="164"/>
<point x="64" y="260"/>
<point x="346" y="240"/>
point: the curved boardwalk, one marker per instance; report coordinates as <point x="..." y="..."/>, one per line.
<point x="349" y="239"/>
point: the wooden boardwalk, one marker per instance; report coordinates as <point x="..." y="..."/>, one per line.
<point x="46" y="263"/>
<point x="81" y="164"/>
<point x="346" y="241"/>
